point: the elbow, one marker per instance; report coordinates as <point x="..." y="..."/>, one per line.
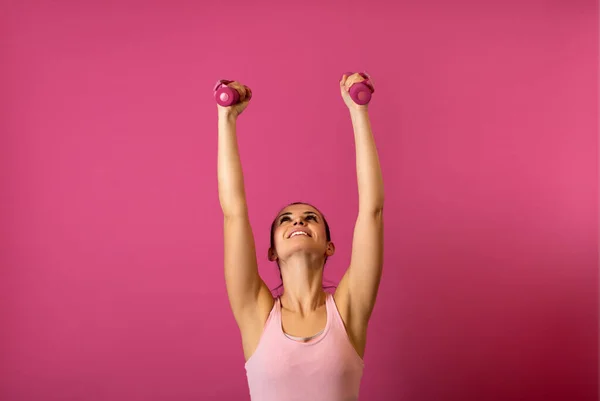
<point x="372" y="206"/>
<point x="374" y="211"/>
<point x="378" y="212"/>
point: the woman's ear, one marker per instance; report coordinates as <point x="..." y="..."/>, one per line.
<point x="272" y="255"/>
<point x="330" y="249"/>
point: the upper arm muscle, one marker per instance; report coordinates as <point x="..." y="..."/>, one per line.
<point x="245" y="289"/>
<point x="361" y="280"/>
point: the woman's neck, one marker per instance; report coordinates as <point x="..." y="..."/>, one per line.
<point x="303" y="285"/>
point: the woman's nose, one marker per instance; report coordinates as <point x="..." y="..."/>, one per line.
<point x="299" y="221"/>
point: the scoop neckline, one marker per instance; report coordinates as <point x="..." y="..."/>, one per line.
<point x="315" y="340"/>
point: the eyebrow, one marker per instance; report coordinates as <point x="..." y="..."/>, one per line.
<point x="289" y="213"/>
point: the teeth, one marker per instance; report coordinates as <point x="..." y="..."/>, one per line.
<point x="298" y="233"/>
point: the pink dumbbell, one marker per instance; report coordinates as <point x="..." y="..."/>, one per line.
<point x="224" y="95"/>
<point x="361" y="92"/>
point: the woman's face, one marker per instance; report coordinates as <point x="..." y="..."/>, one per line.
<point x="299" y="228"/>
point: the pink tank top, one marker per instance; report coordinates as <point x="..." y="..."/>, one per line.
<point x="326" y="368"/>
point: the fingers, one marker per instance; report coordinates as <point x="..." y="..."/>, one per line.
<point x="348" y="81"/>
<point x="244" y="91"/>
<point x="345" y="83"/>
<point x="241" y="89"/>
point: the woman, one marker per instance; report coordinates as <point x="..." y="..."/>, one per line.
<point x="305" y="344"/>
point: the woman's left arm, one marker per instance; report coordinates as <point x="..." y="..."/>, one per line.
<point x="361" y="280"/>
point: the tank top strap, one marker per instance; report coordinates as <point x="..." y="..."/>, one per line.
<point x="271" y="319"/>
<point x="333" y="314"/>
<point x="277" y="311"/>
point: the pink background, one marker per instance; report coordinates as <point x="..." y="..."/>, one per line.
<point x="486" y="119"/>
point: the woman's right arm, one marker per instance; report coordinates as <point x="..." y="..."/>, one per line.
<point x="248" y="294"/>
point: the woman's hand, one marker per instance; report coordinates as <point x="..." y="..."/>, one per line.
<point x="345" y="84"/>
<point x="236" y="109"/>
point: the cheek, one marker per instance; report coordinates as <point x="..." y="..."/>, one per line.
<point x="277" y="235"/>
<point x="322" y="234"/>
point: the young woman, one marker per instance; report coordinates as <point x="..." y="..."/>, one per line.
<point x="306" y="344"/>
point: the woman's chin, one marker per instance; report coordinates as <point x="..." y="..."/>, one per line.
<point x="302" y="252"/>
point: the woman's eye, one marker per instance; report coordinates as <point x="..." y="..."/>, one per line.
<point x="283" y="219"/>
<point x="311" y="217"/>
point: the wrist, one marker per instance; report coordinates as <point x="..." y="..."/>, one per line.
<point x="359" y="112"/>
<point x="227" y="116"/>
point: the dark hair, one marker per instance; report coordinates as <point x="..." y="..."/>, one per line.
<point x="327" y="234"/>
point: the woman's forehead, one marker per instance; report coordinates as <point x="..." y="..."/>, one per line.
<point x="299" y="209"/>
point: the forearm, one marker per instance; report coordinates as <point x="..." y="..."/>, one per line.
<point x="368" y="170"/>
<point x="232" y="194"/>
